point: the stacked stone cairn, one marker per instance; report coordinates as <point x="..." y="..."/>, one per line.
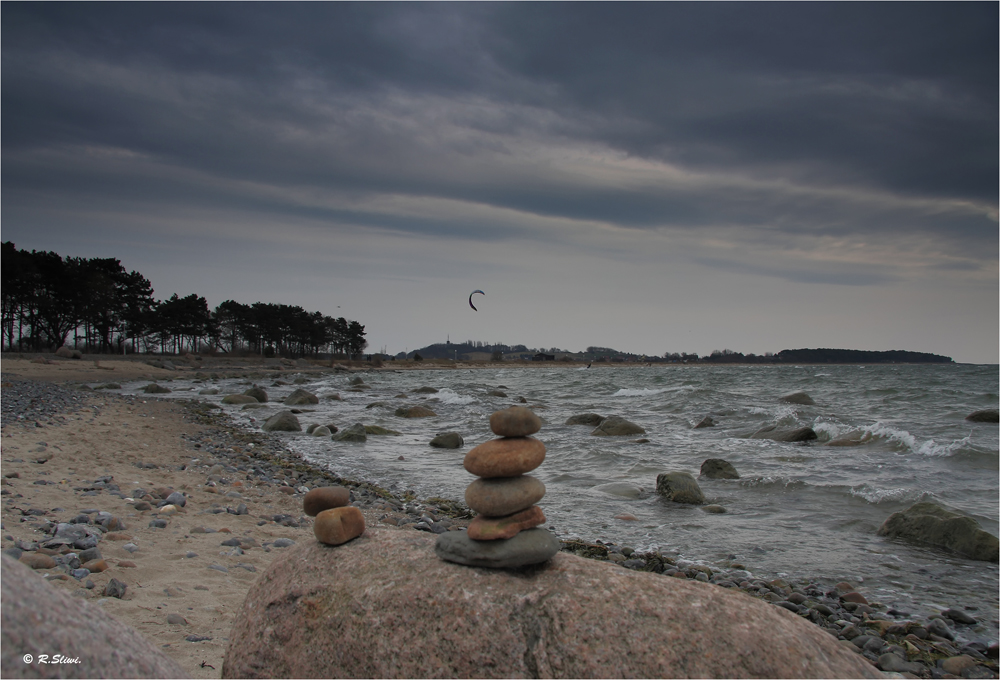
<point x="336" y="522"/>
<point x="506" y="531"/>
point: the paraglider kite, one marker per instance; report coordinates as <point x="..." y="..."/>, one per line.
<point x="470" y="298"/>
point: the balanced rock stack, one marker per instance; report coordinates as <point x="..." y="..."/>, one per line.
<point x="505" y="533"/>
<point x="336" y="521"/>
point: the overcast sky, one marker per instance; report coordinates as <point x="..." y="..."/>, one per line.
<point x="655" y="177"/>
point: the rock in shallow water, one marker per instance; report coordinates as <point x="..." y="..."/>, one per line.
<point x="563" y="618"/>
<point x="932" y="524"/>
<point x="679" y="487"/>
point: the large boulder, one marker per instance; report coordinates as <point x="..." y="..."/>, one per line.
<point x="239" y="399"/>
<point x="39" y="620"/>
<point x="415" y="412"/>
<point x="801" y="434"/>
<point x="390" y="608"/>
<point x="990" y="415"/>
<point x="353" y="433"/>
<point x="679" y="487"/>
<point x="616" y="426"/>
<point x="285" y="421"/>
<point x="932" y="524"/>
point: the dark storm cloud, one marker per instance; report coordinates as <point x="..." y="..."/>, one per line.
<point x="441" y="100"/>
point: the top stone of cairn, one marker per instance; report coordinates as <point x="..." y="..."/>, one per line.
<point x="516" y="421"/>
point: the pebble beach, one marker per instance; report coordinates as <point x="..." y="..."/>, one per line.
<point x="179" y="510"/>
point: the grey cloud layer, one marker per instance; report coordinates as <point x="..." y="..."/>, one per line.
<point x="782" y="119"/>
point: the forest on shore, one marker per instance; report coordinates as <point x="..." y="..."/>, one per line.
<point x="97" y="306"/>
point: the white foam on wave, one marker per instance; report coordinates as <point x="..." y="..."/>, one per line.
<point x="932" y="448"/>
<point x="448" y="396"/>
<point x="876" y="495"/>
<point x="644" y="392"/>
<point x="900" y="437"/>
<point x="826" y="431"/>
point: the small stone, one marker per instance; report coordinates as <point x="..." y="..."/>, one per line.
<point x="484" y="528"/>
<point x="126" y="564"/>
<point x="532" y="546"/>
<point x="958" y="616"/>
<point x="219" y="567"/>
<point x="448" y="440"/>
<point x="516" y="421"/>
<point x="285" y="542"/>
<point x="338" y="525"/>
<point x="173" y="591"/>
<point x="176" y="620"/>
<point x="507" y="457"/>
<point x="168" y="510"/>
<point x="37" y="561"/>
<point x="715" y="509"/>
<point x="415" y="412"/>
<point x="504" y="495"/>
<point x="891" y="663"/>
<point x="142" y="506"/>
<point x="115" y="588"/>
<point x="96" y="566"/>
<point x="853" y="597"/>
<point x="177" y="498"/>
<point x="325" y="498"/>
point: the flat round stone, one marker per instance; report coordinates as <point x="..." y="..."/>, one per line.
<point x="528" y="547"/>
<point x="507" y="457"/>
<point x="484" y="528"/>
<point x="504" y="495"/>
<point x="516" y="421"/>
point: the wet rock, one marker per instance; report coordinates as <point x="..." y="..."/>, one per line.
<point x="320" y="431"/>
<point x="801" y="434"/>
<point x="932" y="524"/>
<point x="257" y="393"/>
<point x="300" y="397"/>
<point x="447" y="440"/>
<point x="622" y="489"/>
<point x="797" y="398"/>
<point x="153" y="388"/>
<point x="679" y="487"/>
<point x="591" y="419"/>
<point x="379" y="431"/>
<point x="415" y="412"/>
<point x="958" y="616"/>
<point x="707" y="421"/>
<point x="717" y="468"/>
<point x="985" y="416"/>
<point x="615" y="426"/>
<point x="354" y="433"/>
<point x="285" y="421"/>
<point x="237" y="399"/>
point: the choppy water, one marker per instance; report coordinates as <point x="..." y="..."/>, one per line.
<point x="802" y="511"/>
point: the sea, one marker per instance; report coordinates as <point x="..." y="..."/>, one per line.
<point x="805" y="512"/>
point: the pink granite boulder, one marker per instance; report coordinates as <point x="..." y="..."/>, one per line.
<point x="385" y="606"/>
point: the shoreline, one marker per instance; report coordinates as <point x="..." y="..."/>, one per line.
<point x="198" y="439"/>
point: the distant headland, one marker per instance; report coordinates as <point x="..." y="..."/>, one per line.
<point x="480" y="351"/>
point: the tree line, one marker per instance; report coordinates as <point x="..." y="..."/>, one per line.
<point x="97" y="306"/>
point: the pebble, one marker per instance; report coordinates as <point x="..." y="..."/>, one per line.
<point x="283" y="543"/>
<point x="505" y="495"/>
<point x="37" y="561"/>
<point x="506" y="457"/>
<point x="115" y="588"/>
<point x="338" y="525"/>
<point x="325" y="498"/>
<point x="176" y="619"/>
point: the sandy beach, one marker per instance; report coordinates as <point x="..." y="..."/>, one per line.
<point x="51" y="464"/>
